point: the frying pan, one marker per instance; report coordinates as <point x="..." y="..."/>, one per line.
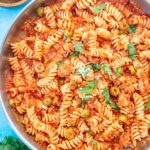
<point x="10" y="38"/>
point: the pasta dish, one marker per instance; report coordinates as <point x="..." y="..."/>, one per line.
<point x="79" y="75"/>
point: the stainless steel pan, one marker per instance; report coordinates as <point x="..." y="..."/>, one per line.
<point x="13" y="35"/>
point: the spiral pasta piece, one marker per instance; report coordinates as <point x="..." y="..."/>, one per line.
<point x="145" y="54"/>
<point x="49" y="15"/>
<point x="82" y="4"/>
<point x="141" y="20"/>
<point x="25" y="49"/>
<point x="139" y="104"/>
<point x="103" y="33"/>
<point x="40" y="27"/>
<point x="114" y="11"/>
<point x="76" y="142"/>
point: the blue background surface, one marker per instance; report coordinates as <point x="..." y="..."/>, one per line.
<point x="7" y="17"/>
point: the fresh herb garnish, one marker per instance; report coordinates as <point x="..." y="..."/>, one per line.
<point x="75" y="54"/>
<point x="96" y="67"/>
<point x="94" y="142"/>
<point x="12" y="143"/>
<point x="87" y="90"/>
<point x="131" y="49"/>
<point x="119" y="71"/>
<point x="114" y="106"/>
<point x="106" y="69"/>
<point x="132" y="29"/>
<point x="79" y="47"/>
<point x="87" y="98"/>
<point x="106" y="95"/>
<point x="84" y="71"/>
<point x="65" y="38"/>
<point x="59" y="64"/>
<point x="148" y="104"/>
<point x="67" y="34"/>
<point x="98" y="9"/>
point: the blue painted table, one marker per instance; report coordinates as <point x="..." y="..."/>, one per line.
<point x="7" y="16"/>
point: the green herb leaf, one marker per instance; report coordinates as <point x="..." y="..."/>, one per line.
<point x="98" y="9"/>
<point x="59" y="64"/>
<point x="65" y="38"/>
<point x="84" y="71"/>
<point x="11" y="143"/>
<point x="133" y="56"/>
<point x="87" y="98"/>
<point x="79" y="47"/>
<point x="75" y="54"/>
<point x="114" y="106"/>
<point x="148" y="104"/>
<point x="94" y="142"/>
<point x="119" y="71"/>
<point x="132" y="29"/>
<point x="131" y="49"/>
<point x="96" y="67"/>
<point x="106" y="95"/>
<point x="92" y="84"/>
<point x="106" y="68"/>
<point x="67" y="34"/>
<point x="87" y="90"/>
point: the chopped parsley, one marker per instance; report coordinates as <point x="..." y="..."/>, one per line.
<point x="119" y="72"/>
<point x="75" y="54"/>
<point x="98" y="9"/>
<point x="84" y="71"/>
<point x="87" y="90"/>
<point x="131" y="49"/>
<point x="67" y="34"/>
<point x="96" y="67"/>
<point x="106" y="69"/>
<point x="79" y="47"/>
<point x="132" y="29"/>
<point x="148" y="104"/>
<point x="59" y="64"/>
<point x="106" y="95"/>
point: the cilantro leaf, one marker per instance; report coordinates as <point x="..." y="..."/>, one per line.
<point x="75" y="54"/>
<point x="132" y="29"/>
<point x="98" y="9"/>
<point x="148" y="104"/>
<point x="92" y="84"/>
<point x="84" y="71"/>
<point x="106" y="68"/>
<point x="96" y="67"/>
<point x="11" y="143"/>
<point x="131" y="49"/>
<point x="119" y="71"/>
<point x="59" y="64"/>
<point x="79" y="47"/>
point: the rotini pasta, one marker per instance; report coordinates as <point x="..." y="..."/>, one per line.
<point x="79" y="77"/>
